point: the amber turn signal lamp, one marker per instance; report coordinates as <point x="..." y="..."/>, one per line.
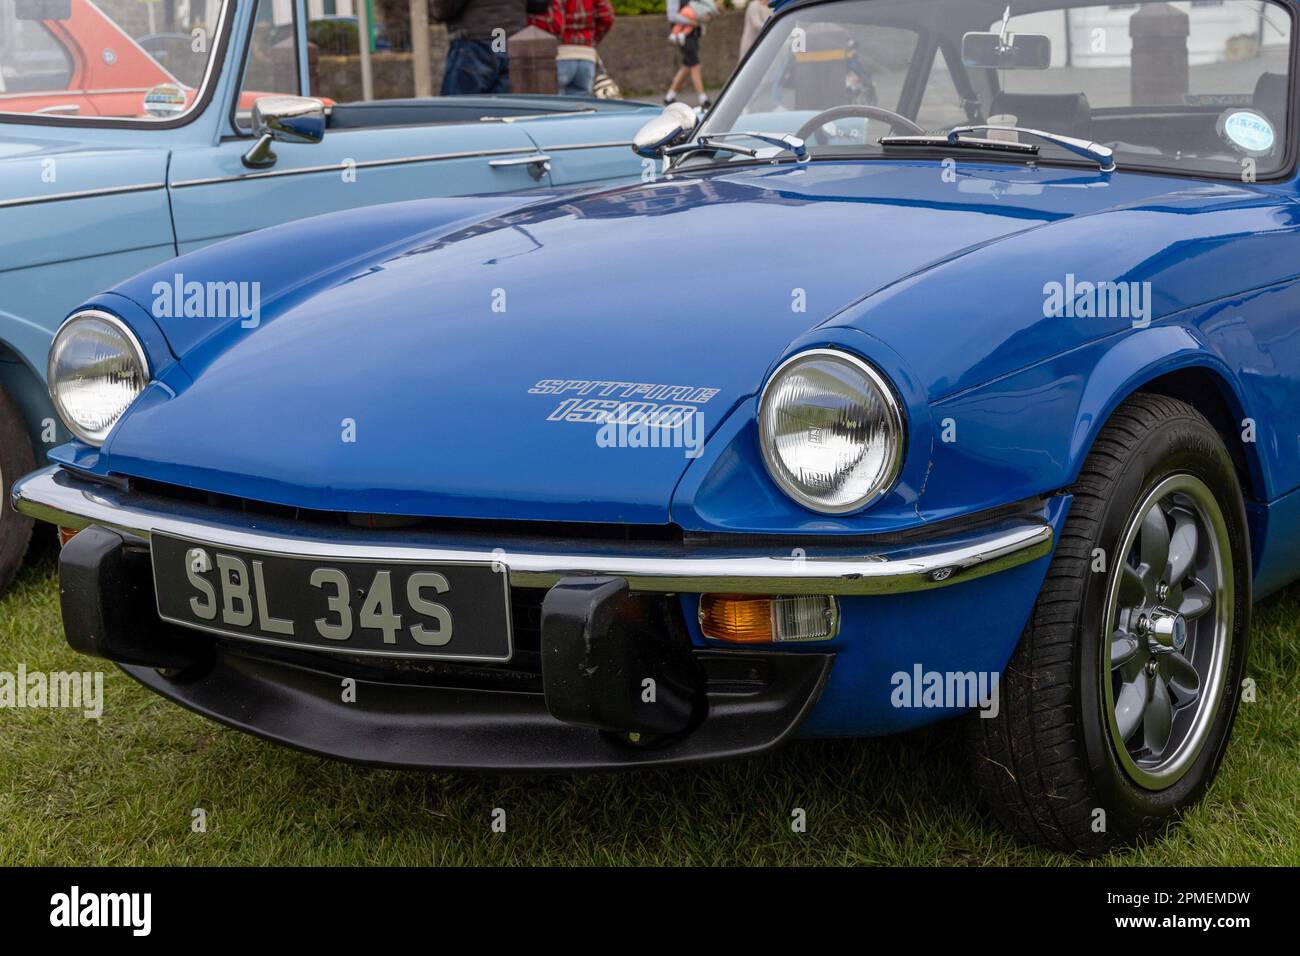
<point x="736" y="618"/>
<point x="66" y="535"/>
<point x="750" y="619"/>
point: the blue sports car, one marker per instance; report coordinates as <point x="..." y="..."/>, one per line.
<point x="976" y="400"/>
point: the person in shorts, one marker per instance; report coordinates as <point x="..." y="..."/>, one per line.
<point x="688" y="18"/>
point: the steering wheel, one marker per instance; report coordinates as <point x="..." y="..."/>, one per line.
<point x="895" y="120"/>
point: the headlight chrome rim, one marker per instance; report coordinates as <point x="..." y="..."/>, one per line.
<point x="896" y="421"/>
<point x="97" y="437"/>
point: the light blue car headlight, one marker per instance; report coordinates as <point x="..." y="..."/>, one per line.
<point x="97" y="369"/>
<point x="831" y="430"/>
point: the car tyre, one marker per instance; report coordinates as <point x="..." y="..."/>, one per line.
<point x="16" y="460"/>
<point x="1118" y="703"/>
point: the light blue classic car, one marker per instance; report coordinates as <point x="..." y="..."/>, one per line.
<point x="111" y="163"/>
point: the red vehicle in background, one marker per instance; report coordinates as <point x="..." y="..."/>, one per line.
<point x="91" y="66"/>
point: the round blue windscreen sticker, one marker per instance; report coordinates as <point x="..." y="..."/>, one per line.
<point x="1248" y="131"/>
<point x="165" y="100"/>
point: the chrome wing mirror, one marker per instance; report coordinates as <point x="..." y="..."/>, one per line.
<point x="671" y="127"/>
<point x="283" y="119"/>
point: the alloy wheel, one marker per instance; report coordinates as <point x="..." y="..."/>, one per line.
<point x="1169" y="617"/>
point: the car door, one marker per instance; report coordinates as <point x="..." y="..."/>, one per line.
<point x="214" y="195"/>
<point x="591" y="147"/>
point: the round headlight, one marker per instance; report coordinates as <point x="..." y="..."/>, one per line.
<point x="831" y="430"/>
<point x="97" y="369"/>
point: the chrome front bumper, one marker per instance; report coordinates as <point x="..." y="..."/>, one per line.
<point x="65" y="499"/>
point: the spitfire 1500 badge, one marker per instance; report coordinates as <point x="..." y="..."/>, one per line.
<point x="632" y="414"/>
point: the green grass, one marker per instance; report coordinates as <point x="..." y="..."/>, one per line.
<point x="122" y="790"/>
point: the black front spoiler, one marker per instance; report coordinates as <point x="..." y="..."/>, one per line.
<point x="619" y="683"/>
<point x="405" y="726"/>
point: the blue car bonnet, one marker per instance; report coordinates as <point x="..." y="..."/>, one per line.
<point x="434" y="380"/>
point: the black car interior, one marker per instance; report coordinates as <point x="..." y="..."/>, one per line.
<point x="1068" y="113"/>
<point x="454" y="109"/>
<point x="1188" y="130"/>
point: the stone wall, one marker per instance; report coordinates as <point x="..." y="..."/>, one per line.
<point x="636" y="53"/>
<point x="640" y="58"/>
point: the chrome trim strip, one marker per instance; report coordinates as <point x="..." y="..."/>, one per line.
<point x="81" y="194"/>
<point x="62" y="498"/>
<point x="364" y="164"/>
<point x="534" y="116"/>
<point x="558" y="149"/>
<point x="125" y="89"/>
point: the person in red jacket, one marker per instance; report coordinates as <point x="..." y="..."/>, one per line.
<point x="579" y="25"/>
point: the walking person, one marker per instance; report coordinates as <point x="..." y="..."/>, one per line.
<point x="579" y="25"/>
<point x="688" y="18"/>
<point x="477" y="61"/>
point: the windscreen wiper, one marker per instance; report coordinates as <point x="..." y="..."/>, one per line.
<point x="712" y="142"/>
<point x="1103" y="156"/>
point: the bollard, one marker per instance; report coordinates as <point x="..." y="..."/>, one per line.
<point x="313" y="69"/>
<point x="822" y="67"/>
<point x="284" y="65"/>
<point x="532" y="61"/>
<point x="1160" y="64"/>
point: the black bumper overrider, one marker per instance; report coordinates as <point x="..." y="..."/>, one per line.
<point x="619" y="683"/>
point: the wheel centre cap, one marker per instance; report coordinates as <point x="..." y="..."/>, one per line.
<point x="1167" y="630"/>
